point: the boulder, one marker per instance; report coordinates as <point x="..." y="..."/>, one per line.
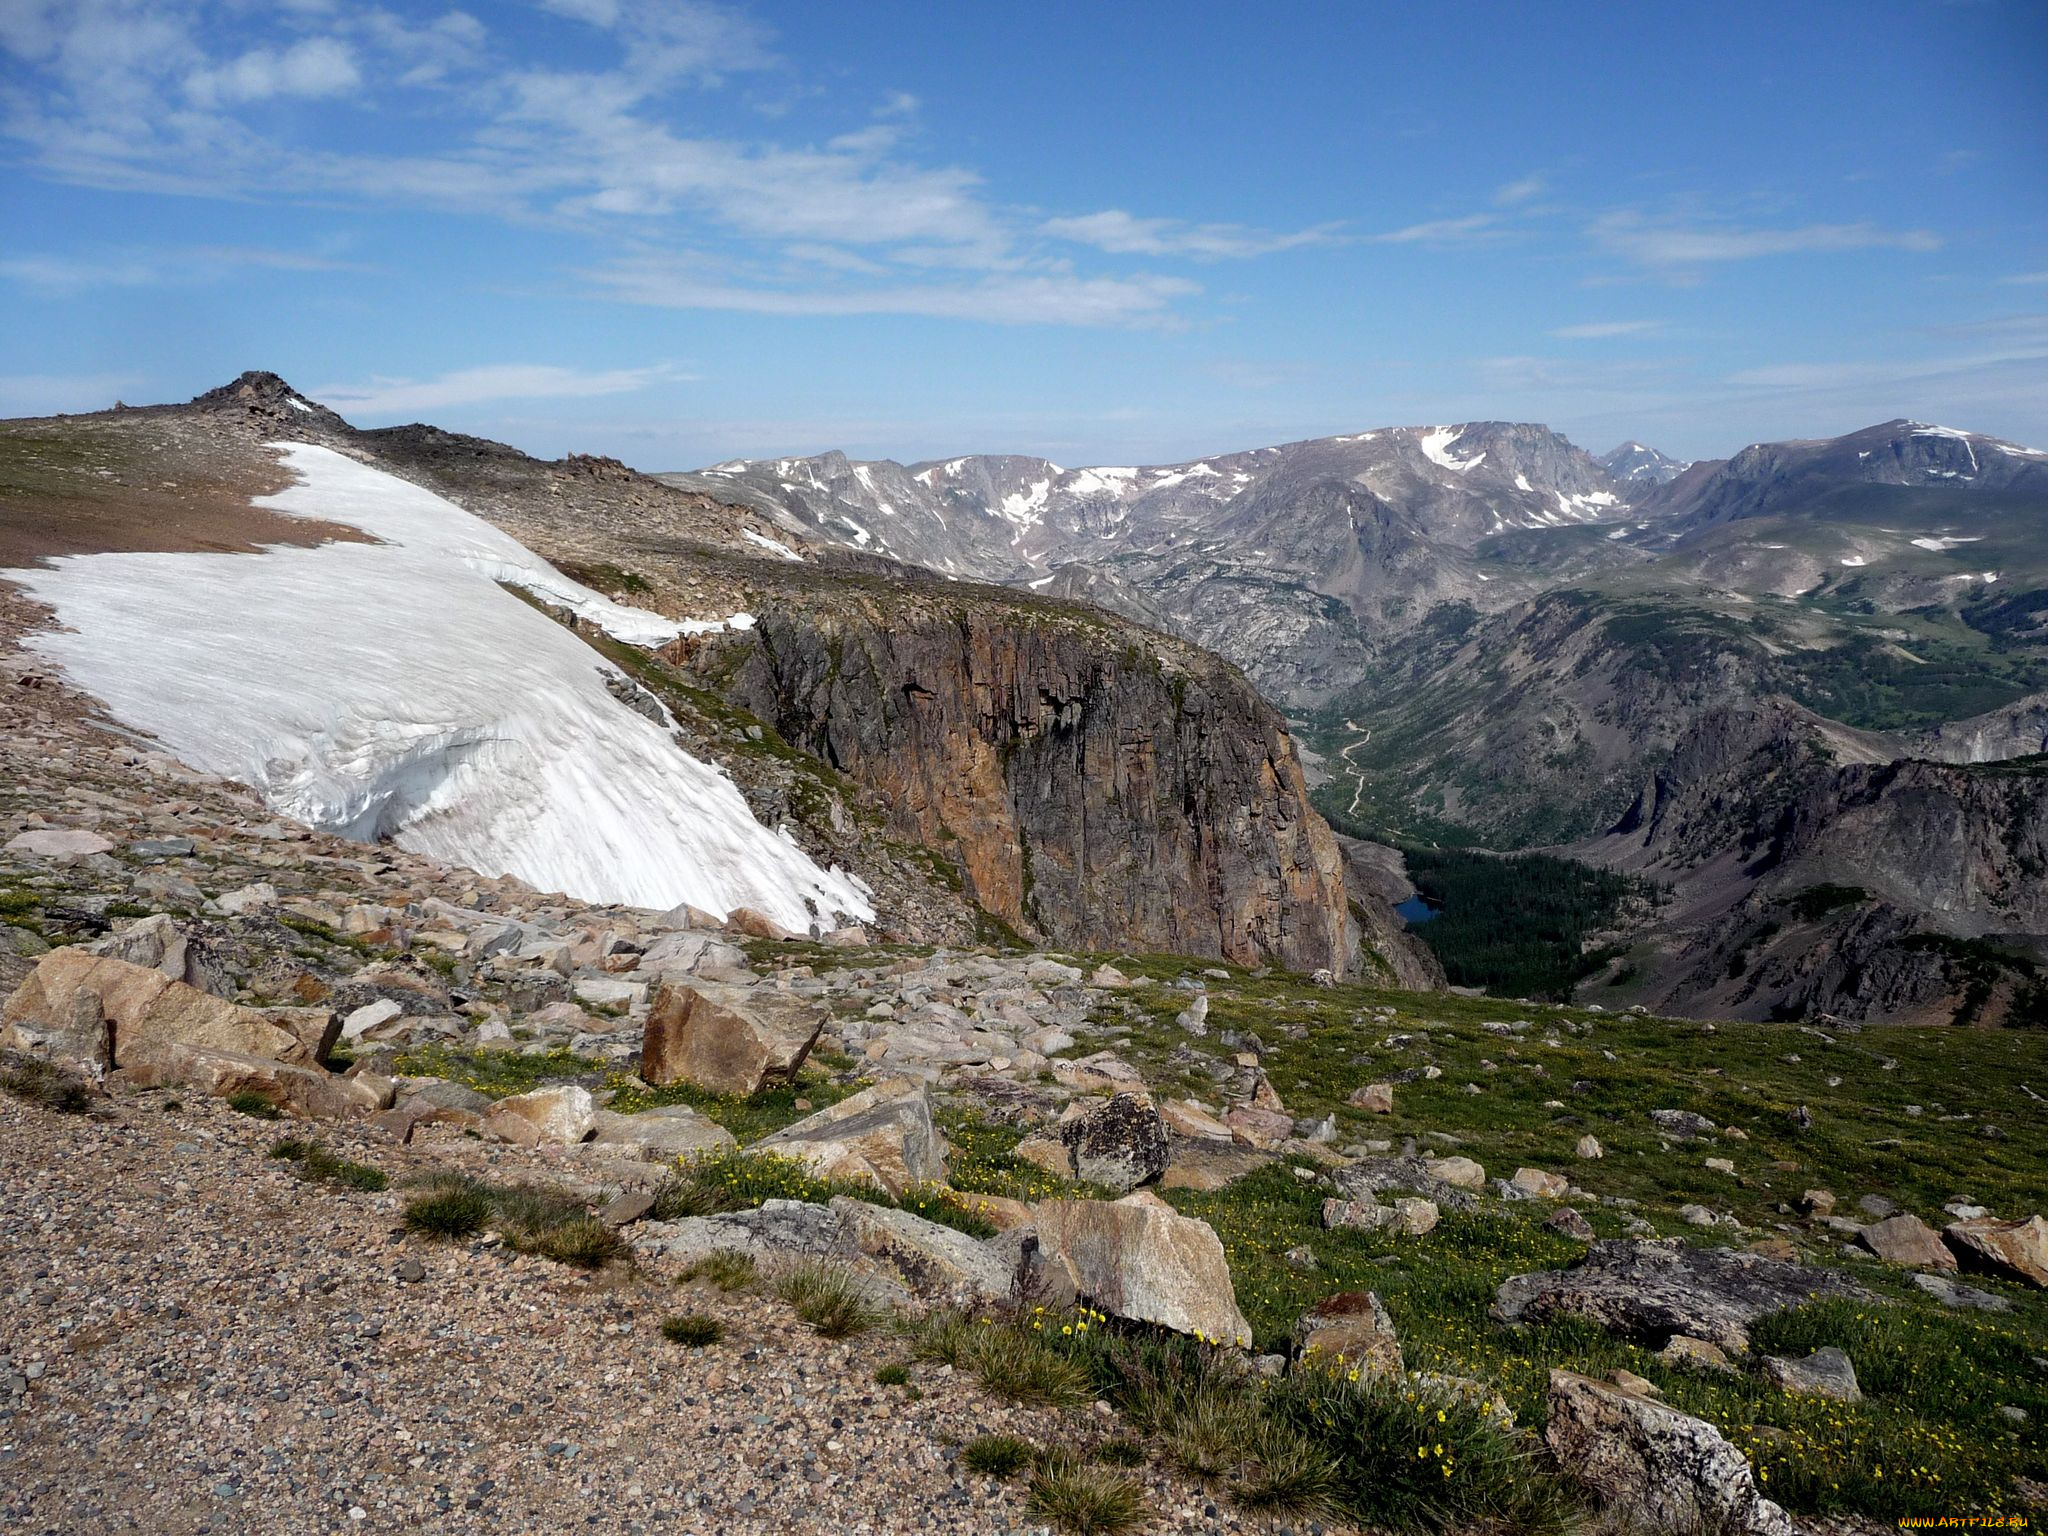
<point x="1909" y="1241"/>
<point x="1048" y="1153"/>
<point x="260" y="897"/>
<point x="316" y="1029"/>
<point x="727" y="1039"/>
<point x="773" y="1230"/>
<point x="1458" y="1172"/>
<point x="692" y="954"/>
<point x="1137" y="1261"/>
<point x="1184" y="1117"/>
<point x="312" y="1093"/>
<point x="1589" y="1148"/>
<point x="1647" y="1291"/>
<point x="1951" y="1294"/>
<point x="1824" y="1373"/>
<point x="1818" y="1203"/>
<point x="932" y="1260"/>
<point x="2012" y="1250"/>
<point x="1541" y="1185"/>
<point x="1698" y="1354"/>
<point x="1210" y="1166"/>
<point x="144" y="1010"/>
<point x="1683" y="1124"/>
<point x="1350" y="1330"/>
<point x="1373" y="1098"/>
<point x="1409" y="1217"/>
<point x="757" y="925"/>
<point x="1254" y="1127"/>
<point x="368" y="1017"/>
<point x="562" y="1116"/>
<point x="1660" y="1469"/>
<point x="60" y="843"/>
<point x="1119" y="1145"/>
<point x="1568" y="1221"/>
<point x="661" y="1135"/>
<point x="883" y="1135"/>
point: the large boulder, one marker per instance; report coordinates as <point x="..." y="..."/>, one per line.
<point x="1139" y="1260"/>
<point x="2013" y="1250"/>
<point x="1909" y="1241"/>
<point x="563" y="1116"/>
<point x="659" y="1135"/>
<point x="1119" y="1145"/>
<point x="1349" y="1331"/>
<point x="1648" y="1291"/>
<point x="727" y="1039"/>
<point x="930" y="1259"/>
<point x="882" y="1135"/>
<point x="143" y="1011"/>
<point x="1662" y="1470"/>
<point x="1824" y="1373"/>
<point x="694" y="954"/>
<point x="313" y="1093"/>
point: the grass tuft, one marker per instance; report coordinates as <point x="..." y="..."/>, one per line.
<point x="452" y="1208"/>
<point x="1078" y="1496"/>
<point x="897" y="1375"/>
<point x="692" y="1330"/>
<point x="254" y="1105"/>
<point x="317" y="1165"/>
<point x="727" y="1268"/>
<point x="36" y="1081"/>
<point x="998" y="1456"/>
<point x="830" y="1298"/>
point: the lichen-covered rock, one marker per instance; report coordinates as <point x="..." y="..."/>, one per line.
<point x="1118" y="1145"/>
<point x="1661" y="1469"/>
<point x="1648" y="1291"/>
<point x="660" y="1135"/>
<point x="884" y="1135"/>
<point x="727" y="1039"/>
<point x="933" y="1261"/>
<point x="1136" y="1260"/>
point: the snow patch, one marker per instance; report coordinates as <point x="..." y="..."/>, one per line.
<point x="775" y="545"/>
<point x="1522" y="483"/>
<point x="393" y="689"/>
<point x="297" y="404"/>
<point x="1854" y="560"/>
<point x="1435" y="447"/>
<point x="1945" y="542"/>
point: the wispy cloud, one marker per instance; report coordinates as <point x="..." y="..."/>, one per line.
<point x="474" y="386"/>
<point x="2026" y="277"/>
<point x="141" y="95"/>
<point x="1051" y="298"/>
<point x="1520" y="191"/>
<point x="1125" y="234"/>
<point x="313" y="67"/>
<point x="1470" y="229"/>
<point x="1669" y="242"/>
<point x="58" y="274"/>
<point x="1601" y="330"/>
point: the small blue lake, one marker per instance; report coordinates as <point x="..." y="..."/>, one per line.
<point x="1415" y="910"/>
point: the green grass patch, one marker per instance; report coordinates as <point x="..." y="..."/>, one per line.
<point x="318" y="1165"/>
<point x="498" y="1074"/>
<point x="692" y="1330"/>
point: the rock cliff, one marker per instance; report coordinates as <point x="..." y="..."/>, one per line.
<point x="1099" y="785"/>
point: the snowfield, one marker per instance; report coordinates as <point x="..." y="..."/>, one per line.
<point x="396" y="690"/>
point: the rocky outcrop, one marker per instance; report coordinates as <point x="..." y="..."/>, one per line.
<point x="1662" y="1469"/>
<point x="1650" y="1291"/>
<point x="1097" y="785"/>
<point x="2012" y="1250"/>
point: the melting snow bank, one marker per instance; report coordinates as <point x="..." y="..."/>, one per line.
<point x="395" y="690"/>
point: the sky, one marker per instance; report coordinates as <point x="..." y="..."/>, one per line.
<point x="682" y="232"/>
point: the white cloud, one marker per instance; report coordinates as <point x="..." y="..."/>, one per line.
<point x="472" y="386"/>
<point x="153" y="267"/>
<point x="1471" y="229"/>
<point x="1674" y="242"/>
<point x="318" y="66"/>
<point x="1600" y="330"/>
<point x="2026" y="277"/>
<point x="1008" y="299"/>
<point x="1520" y="191"/>
<point x="1124" y="234"/>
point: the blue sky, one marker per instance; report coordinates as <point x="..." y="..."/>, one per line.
<point x="683" y="232"/>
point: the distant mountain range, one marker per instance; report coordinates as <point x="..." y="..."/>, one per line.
<point x="1492" y="636"/>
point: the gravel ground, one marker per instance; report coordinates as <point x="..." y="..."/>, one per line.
<point x="193" y="1340"/>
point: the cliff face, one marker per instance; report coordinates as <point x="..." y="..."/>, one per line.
<point x="1101" y="786"/>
